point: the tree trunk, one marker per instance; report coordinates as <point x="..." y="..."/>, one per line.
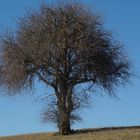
<point x="65" y="125"/>
<point x="65" y="107"/>
<point x="64" y="117"/>
<point x="64" y="110"/>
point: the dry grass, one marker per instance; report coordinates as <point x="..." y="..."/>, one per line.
<point x="91" y="134"/>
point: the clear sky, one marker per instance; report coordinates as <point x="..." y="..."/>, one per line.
<point x="21" y="114"/>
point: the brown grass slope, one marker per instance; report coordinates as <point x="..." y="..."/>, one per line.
<point x="112" y="133"/>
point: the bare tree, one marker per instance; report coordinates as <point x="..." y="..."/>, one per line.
<point x="63" y="46"/>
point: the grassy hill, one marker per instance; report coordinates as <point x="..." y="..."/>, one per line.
<point x="114" y="133"/>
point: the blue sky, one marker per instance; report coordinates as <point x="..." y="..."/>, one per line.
<point x="20" y="115"/>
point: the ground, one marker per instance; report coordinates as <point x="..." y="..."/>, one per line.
<point x="121" y="133"/>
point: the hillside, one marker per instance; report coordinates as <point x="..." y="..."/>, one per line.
<point x="115" y="133"/>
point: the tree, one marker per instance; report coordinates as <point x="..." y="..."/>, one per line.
<point x="63" y="46"/>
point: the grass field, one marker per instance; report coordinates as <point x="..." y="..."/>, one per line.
<point x="128" y="133"/>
